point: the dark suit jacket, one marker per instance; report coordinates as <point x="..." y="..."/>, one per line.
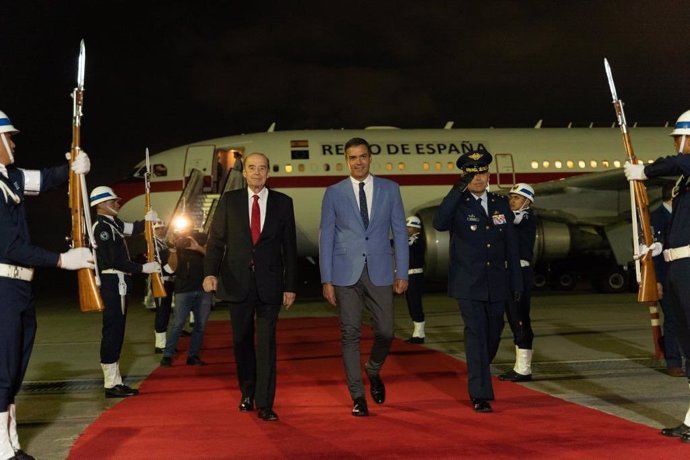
<point x="229" y="252"/>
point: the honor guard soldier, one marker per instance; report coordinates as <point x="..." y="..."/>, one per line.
<point x="484" y="268"/>
<point x="116" y="282"/>
<point x="521" y="197"/>
<point x="415" y="286"/>
<point x="677" y="250"/>
<point x="17" y="259"/>
<point x="163" y="305"/>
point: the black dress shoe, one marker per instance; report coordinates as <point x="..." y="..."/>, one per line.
<point x="676" y="432"/>
<point x="21" y="455"/>
<point x="360" y="409"/>
<point x="166" y="361"/>
<point x="120" y="391"/>
<point x="246" y="404"/>
<point x="268" y="415"/>
<point x="684" y="438"/>
<point x="378" y="390"/>
<point x="194" y="360"/>
<point x="157" y="350"/>
<point x="481" y="405"/>
<point x="512" y="376"/>
<point x="417" y="340"/>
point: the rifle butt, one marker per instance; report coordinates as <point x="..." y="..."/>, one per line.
<point x="89" y="295"/>
<point x="157" y="286"/>
<point x="648" y="291"/>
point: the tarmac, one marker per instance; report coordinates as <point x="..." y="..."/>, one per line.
<point x="594" y="350"/>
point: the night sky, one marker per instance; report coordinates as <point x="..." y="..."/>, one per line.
<point x="163" y="73"/>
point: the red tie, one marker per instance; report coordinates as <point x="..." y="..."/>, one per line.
<point x="256" y="220"/>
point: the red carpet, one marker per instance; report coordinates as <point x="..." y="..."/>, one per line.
<point x="191" y="412"/>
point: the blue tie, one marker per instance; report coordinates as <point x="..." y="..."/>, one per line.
<point x="363" y="210"/>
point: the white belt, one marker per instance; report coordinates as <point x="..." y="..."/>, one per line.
<point x="524" y="263"/>
<point x="16" y="272"/>
<point x="414" y="271"/>
<point x="676" y="253"/>
<point x="112" y="271"/>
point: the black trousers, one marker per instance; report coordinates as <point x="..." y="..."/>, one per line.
<point x="113" y="331"/>
<point x="164" y="307"/>
<point x="17" y="334"/>
<point x="679" y="300"/>
<point x="256" y="366"/>
<point x="518" y="313"/>
<point x="413" y="295"/>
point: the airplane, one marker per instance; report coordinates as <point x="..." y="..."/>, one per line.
<point x="581" y="193"/>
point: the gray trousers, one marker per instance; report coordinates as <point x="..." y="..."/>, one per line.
<point x="351" y="301"/>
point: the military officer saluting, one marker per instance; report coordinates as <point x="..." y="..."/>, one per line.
<point x="116" y="282"/>
<point x="484" y="270"/>
<point x="677" y="252"/>
<point x="17" y="259"/>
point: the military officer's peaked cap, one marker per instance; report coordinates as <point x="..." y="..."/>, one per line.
<point x="475" y="161"/>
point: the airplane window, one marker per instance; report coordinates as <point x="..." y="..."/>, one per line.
<point x="546" y="163"/>
<point x="300" y="167"/>
<point x="160" y="170"/>
<point x="339" y="167"/>
<point x="451" y="165"/>
<point x="593" y="163"/>
<point x="569" y="164"/>
<point x="276" y="168"/>
<point x="535" y="165"/>
<point x="288" y="168"/>
<point x="401" y="166"/>
<point x="425" y="166"/>
<point x="581" y="164"/>
<point x="437" y="166"/>
<point x="605" y="163"/>
<point x="314" y="167"/>
<point x="326" y="167"/>
<point x="558" y="164"/>
<point x="616" y="164"/>
<point x="389" y="166"/>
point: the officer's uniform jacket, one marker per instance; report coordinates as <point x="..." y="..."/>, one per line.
<point x="417" y="247"/>
<point x="484" y="263"/>
<point x="112" y="251"/>
<point x="526" y="235"/>
<point x="679" y="230"/>
<point x="15" y="244"/>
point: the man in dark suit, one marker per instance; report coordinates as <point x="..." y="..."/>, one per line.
<point x="359" y="268"/>
<point x="484" y="267"/>
<point x="251" y="262"/>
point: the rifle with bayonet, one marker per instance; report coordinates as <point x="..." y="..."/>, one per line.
<point x="644" y="265"/>
<point x="157" y="286"/>
<point x="82" y="232"/>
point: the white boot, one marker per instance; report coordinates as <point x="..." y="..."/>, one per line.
<point x="160" y="339"/>
<point x="111" y="375"/>
<point x="14" y="436"/>
<point x="418" y="329"/>
<point x="523" y="364"/>
<point x="6" y="450"/>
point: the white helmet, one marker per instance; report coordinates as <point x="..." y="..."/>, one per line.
<point x="413" y="221"/>
<point x="682" y="126"/>
<point x="523" y="189"/>
<point x="6" y="124"/>
<point x="101" y="194"/>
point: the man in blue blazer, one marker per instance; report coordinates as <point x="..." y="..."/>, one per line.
<point x="484" y="267"/>
<point x="359" y="268"/>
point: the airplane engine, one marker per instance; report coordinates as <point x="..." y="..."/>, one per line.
<point x="554" y="240"/>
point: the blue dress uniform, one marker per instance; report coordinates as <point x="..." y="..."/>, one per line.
<point x="484" y="271"/>
<point x="17" y="257"/>
<point x="518" y="313"/>
<point x="415" y="287"/>
<point x="116" y="282"/>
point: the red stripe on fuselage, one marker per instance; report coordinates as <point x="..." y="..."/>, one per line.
<point x="129" y="189"/>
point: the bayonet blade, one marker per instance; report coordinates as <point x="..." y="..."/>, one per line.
<point x="609" y="75"/>
<point x="82" y="65"/>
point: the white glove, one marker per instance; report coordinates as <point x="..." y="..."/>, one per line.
<point x="76" y="258"/>
<point x="656" y="249"/>
<point x="151" y="216"/>
<point x="634" y="171"/>
<point x="81" y="164"/>
<point x="151" y="267"/>
<point x="518" y="217"/>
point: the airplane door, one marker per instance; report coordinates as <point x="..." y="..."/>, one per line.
<point x="505" y="170"/>
<point x="200" y="157"/>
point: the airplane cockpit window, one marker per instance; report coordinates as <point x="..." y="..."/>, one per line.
<point x="160" y="170"/>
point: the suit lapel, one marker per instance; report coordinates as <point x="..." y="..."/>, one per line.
<point x="354" y="202"/>
<point x="244" y="216"/>
<point x="271" y="215"/>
